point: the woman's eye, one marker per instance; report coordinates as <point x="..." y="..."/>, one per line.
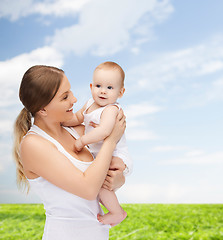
<point x="109" y="87"/>
<point x="65" y="97"/>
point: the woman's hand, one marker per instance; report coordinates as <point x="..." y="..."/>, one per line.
<point x="115" y="178"/>
<point x="117" y="164"/>
<point x="119" y="127"/>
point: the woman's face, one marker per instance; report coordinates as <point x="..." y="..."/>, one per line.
<point x="60" y="109"/>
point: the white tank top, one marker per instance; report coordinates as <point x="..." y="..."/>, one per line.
<point x="62" y="206"/>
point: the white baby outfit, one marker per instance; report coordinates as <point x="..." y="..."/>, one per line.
<point x="121" y="149"/>
<point x="68" y="217"/>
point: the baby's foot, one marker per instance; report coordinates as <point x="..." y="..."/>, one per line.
<point x="112" y="218"/>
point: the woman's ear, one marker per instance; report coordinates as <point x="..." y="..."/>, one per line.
<point x="122" y="90"/>
<point x="43" y="112"/>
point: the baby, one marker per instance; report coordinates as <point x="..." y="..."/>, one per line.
<point x="102" y="109"/>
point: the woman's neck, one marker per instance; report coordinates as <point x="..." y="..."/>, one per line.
<point x="54" y="129"/>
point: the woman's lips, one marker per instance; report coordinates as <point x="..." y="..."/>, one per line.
<point x="70" y="110"/>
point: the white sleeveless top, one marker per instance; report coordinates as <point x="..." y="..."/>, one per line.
<point x="121" y="149"/>
<point x="68" y="216"/>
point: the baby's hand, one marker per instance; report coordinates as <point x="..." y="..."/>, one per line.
<point x="78" y="145"/>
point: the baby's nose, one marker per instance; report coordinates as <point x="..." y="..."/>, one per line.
<point x="103" y="90"/>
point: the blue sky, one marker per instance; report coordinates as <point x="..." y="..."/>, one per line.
<point x="172" y="53"/>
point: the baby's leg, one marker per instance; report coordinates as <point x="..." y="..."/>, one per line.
<point x="116" y="214"/>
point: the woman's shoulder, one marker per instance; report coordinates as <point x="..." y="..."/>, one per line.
<point x="33" y="147"/>
<point x="33" y="142"/>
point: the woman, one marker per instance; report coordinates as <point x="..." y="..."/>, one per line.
<point x="67" y="182"/>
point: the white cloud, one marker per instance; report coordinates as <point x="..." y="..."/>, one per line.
<point x="173" y="67"/>
<point x="211" y="67"/>
<point x="105" y="27"/>
<point x="218" y="83"/>
<point x="19" y="64"/>
<point x="140" y="109"/>
<point x="15" y="9"/>
<point x="195" y="153"/>
<point x="214" y="92"/>
<point x="137" y="125"/>
<point x="6" y="126"/>
<point x="14" y="195"/>
<point x="170" y="193"/>
<point x="13" y="69"/>
<point x="168" y="148"/>
<point x="59" y="7"/>
<point x="196" y="157"/>
<point x="137" y="134"/>
<point x="6" y="155"/>
<point x="22" y="8"/>
<point x="135" y="50"/>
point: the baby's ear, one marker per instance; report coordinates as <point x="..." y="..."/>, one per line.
<point x="91" y="86"/>
<point x="122" y="90"/>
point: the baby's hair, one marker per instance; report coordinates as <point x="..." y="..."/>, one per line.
<point x="112" y="66"/>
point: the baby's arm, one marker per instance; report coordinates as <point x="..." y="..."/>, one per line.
<point x="77" y="118"/>
<point x="103" y="130"/>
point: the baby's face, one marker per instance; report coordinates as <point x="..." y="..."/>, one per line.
<point x="106" y="87"/>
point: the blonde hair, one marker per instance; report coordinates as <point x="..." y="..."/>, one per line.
<point x="112" y="66"/>
<point x="38" y="87"/>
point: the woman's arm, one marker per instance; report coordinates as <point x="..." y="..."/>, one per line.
<point x="57" y="169"/>
<point x="115" y="177"/>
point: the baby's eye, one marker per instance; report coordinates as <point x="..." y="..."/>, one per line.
<point x="98" y="86"/>
<point x="110" y="87"/>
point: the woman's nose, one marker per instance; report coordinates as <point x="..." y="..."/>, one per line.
<point x="74" y="99"/>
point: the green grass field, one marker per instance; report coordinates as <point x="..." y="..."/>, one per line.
<point x="144" y="222"/>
